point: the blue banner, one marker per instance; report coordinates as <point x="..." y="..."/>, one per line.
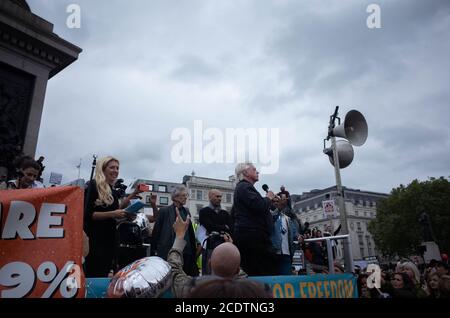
<point x="313" y="286"/>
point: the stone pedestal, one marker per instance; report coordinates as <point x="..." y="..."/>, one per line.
<point x="431" y="251"/>
<point x="30" y="54"/>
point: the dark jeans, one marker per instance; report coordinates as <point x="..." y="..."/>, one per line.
<point x="257" y="255"/>
<point x="284" y="264"/>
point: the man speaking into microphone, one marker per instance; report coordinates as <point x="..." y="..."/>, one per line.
<point x="253" y="223"/>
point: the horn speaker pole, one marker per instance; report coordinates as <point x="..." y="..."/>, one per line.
<point x="348" y="257"/>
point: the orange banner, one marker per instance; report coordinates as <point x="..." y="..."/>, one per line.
<point x="41" y="243"/>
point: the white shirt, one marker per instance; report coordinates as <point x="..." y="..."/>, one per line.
<point x="284" y="235"/>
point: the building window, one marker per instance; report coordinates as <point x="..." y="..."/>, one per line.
<point x="365" y="213"/>
<point x="163" y="200"/>
<point x="150" y="187"/>
<point x="358" y="226"/>
<point x="192" y="193"/>
<point x="362" y="251"/>
<point x="356" y="213"/>
<point x="162" y="188"/>
<point x="147" y="199"/>
<point x="228" y="198"/>
<point x="199" y="195"/>
<point x="360" y="239"/>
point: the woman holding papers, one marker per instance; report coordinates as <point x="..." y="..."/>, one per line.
<point x="102" y="209"/>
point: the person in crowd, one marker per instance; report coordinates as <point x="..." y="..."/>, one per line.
<point x="253" y="223"/>
<point x="306" y="247"/>
<point x="433" y="285"/>
<point x="283" y="191"/>
<point x="283" y="236"/>
<point x="164" y="236"/>
<point x="27" y="175"/>
<point x="444" y="286"/>
<point x="3" y="178"/>
<point x="403" y="286"/>
<point x="318" y="254"/>
<point x="102" y="210"/>
<point x="224" y="262"/>
<point x="214" y="219"/>
<point x="441" y="268"/>
<point x="154" y="217"/>
<point x="42" y="167"/>
<point x="413" y="272"/>
<point x="363" y="291"/>
<point x="334" y="243"/>
<point x="305" y="228"/>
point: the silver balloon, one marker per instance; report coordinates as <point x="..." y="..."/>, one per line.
<point x="143" y="223"/>
<point x="148" y="277"/>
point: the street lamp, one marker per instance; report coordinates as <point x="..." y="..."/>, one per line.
<point x="354" y="129"/>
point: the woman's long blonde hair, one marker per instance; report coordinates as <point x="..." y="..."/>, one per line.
<point x="104" y="190"/>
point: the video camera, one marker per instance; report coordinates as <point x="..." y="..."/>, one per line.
<point x="214" y="239"/>
<point x="120" y="188"/>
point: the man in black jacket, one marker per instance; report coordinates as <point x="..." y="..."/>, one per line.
<point x="213" y="219"/>
<point x="253" y="223"/>
<point x="164" y="236"/>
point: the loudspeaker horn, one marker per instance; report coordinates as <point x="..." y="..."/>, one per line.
<point x="354" y="128"/>
<point x="345" y="153"/>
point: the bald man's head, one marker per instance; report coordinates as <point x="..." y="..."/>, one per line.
<point x="225" y="260"/>
<point x="215" y="197"/>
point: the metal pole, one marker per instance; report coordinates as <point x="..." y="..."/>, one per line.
<point x="79" y="168"/>
<point x="342" y="211"/>
<point x="330" y="257"/>
<point x="94" y="163"/>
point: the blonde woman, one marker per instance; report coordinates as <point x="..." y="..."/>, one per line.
<point x="102" y="211"/>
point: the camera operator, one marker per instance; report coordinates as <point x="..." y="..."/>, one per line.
<point x="102" y="210"/>
<point x="27" y="174"/>
<point x="214" y="220"/>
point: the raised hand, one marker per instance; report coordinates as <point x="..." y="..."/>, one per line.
<point x="179" y="226"/>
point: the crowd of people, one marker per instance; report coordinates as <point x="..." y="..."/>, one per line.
<point x="259" y="237"/>
<point x="405" y="280"/>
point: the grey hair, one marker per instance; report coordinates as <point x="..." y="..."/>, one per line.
<point x="414" y="269"/>
<point x="240" y="168"/>
<point x="178" y="190"/>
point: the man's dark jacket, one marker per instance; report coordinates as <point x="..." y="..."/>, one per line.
<point x="163" y="233"/>
<point x="251" y="211"/>
<point x="213" y="221"/>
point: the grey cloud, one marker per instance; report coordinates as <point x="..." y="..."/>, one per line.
<point x="293" y="58"/>
<point x="327" y="52"/>
<point x="193" y="68"/>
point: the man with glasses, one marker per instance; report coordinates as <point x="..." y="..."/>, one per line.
<point x="164" y="235"/>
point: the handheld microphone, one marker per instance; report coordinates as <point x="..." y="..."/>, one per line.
<point x="265" y="187"/>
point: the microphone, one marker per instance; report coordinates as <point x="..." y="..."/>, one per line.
<point x="265" y="187"/>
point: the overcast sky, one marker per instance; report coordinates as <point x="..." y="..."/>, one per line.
<point x="149" y="67"/>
